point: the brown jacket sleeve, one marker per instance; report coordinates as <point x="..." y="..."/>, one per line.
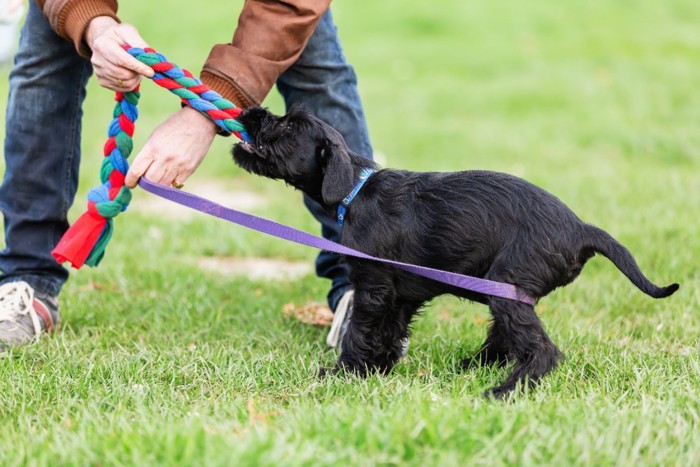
<point x="269" y="38"/>
<point x="70" y="18"/>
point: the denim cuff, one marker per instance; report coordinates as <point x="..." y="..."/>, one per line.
<point x="42" y="284"/>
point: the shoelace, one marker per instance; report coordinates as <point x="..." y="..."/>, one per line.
<point x="17" y="300"/>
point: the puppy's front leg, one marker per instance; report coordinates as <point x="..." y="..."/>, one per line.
<point x="373" y="340"/>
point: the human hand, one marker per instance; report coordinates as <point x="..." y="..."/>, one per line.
<point x="114" y="67"/>
<point x="174" y="150"/>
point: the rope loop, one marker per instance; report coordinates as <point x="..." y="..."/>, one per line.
<point x="87" y="238"/>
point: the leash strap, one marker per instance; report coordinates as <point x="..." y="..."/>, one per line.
<point x="275" y="229"/>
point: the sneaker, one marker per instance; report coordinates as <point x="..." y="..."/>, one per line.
<point x="341" y="318"/>
<point x="25" y="313"/>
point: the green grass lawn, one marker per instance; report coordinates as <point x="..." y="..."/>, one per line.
<point x="161" y="362"/>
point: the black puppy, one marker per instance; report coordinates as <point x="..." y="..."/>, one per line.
<point x="484" y="224"/>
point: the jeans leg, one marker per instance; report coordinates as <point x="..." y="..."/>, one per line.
<point x="42" y="152"/>
<point x="325" y="83"/>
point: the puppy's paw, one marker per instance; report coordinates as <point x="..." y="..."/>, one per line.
<point x="327" y="372"/>
<point x="343" y="370"/>
<point x="498" y="393"/>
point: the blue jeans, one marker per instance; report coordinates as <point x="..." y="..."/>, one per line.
<point x="326" y="84"/>
<point x="42" y="144"/>
<point x="42" y="152"/>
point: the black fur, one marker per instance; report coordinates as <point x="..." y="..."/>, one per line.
<point x="483" y="224"/>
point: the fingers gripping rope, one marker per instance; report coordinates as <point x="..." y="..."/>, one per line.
<point x="86" y="240"/>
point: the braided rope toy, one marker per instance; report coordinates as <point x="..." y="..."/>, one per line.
<point x="86" y="240"/>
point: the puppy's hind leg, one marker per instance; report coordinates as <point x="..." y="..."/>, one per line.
<point x="534" y="353"/>
<point x="494" y="351"/>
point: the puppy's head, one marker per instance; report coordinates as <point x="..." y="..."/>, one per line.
<point x="298" y="148"/>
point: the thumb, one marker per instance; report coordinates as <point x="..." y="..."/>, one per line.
<point x="139" y="167"/>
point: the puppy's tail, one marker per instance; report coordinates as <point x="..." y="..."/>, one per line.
<point x="604" y="243"/>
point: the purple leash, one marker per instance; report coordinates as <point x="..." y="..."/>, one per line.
<point x="473" y="284"/>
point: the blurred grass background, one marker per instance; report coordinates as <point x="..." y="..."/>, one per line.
<point x="160" y="362"/>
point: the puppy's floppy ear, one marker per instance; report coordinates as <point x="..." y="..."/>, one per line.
<point x="337" y="170"/>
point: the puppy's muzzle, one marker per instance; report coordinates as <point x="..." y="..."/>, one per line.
<point x="249" y="148"/>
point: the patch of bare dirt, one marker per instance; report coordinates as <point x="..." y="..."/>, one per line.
<point x="313" y="313"/>
<point x="215" y="191"/>
<point x="257" y="268"/>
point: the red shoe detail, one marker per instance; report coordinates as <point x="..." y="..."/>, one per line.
<point x="42" y="311"/>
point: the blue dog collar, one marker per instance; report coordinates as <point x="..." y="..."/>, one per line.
<point x="345" y="203"/>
